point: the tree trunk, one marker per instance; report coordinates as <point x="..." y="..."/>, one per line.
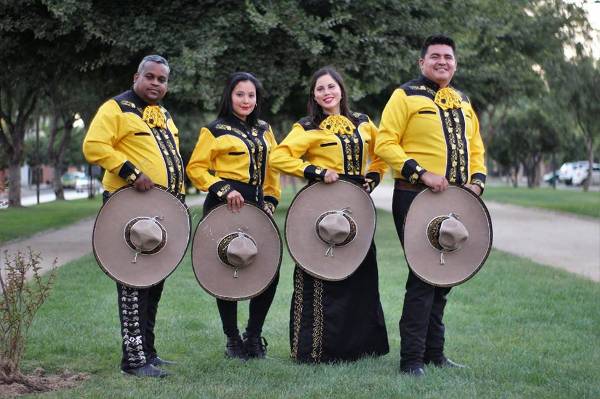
<point x="14" y="185"/>
<point x="590" y="149"/>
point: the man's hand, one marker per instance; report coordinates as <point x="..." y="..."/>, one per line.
<point x="235" y="201"/>
<point x="474" y="187"/>
<point x="437" y="183"/>
<point x="143" y="183"/>
<point x="330" y="176"/>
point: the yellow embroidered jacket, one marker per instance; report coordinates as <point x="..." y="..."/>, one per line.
<point x="338" y="143"/>
<point x="128" y="137"/>
<point x="228" y="149"/>
<point x="426" y="129"/>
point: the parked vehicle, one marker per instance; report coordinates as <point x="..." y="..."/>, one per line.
<point x="581" y="173"/>
<point x="82" y="184"/>
<point x="566" y="171"/>
<point x="69" y="179"/>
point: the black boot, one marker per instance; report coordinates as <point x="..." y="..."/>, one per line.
<point x="256" y="346"/>
<point x="235" y="348"/>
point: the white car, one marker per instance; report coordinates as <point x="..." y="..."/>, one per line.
<point x="581" y="173"/>
<point x="82" y="184"/>
<point x="566" y="171"/>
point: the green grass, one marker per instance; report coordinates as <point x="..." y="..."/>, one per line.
<point x="26" y="221"/>
<point x="577" y="202"/>
<point x="524" y="330"/>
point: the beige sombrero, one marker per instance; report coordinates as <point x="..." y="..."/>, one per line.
<point x="236" y="256"/>
<point x="447" y="236"/>
<point x="329" y="229"/>
<point x="139" y="238"/>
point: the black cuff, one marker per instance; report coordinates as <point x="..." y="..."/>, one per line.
<point x="313" y="172"/>
<point x="221" y="189"/>
<point x="478" y="179"/>
<point x="373" y="178"/>
<point x="129" y="172"/>
<point x="412" y="171"/>
<point x="271" y="200"/>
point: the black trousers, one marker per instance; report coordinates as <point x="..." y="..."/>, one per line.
<point x="137" y="316"/>
<point x="260" y="304"/>
<point x="421" y="325"/>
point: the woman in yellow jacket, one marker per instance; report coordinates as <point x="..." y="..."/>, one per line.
<point x="231" y="162"/>
<point x="334" y="143"/>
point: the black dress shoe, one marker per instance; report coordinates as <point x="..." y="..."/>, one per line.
<point x="158" y="362"/>
<point x="147" y="370"/>
<point x="413" y="371"/>
<point x="445" y="362"/>
<point x="256" y="347"/>
<point x="234" y="348"/>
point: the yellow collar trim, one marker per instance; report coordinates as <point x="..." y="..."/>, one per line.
<point x="337" y="124"/>
<point x="448" y="98"/>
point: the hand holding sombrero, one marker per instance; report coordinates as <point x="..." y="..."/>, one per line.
<point x="329" y="229"/>
<point x="139" y="238"/>
<point x="447" y="236"/>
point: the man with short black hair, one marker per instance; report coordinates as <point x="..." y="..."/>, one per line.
<point x="429" y="135"/>
<point x="135" y="140"/>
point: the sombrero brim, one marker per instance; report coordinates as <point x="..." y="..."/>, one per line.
<point x="216" y="277"/>
<point x="305" y="246"/>
<point x="113" y="254"/>
<point x="462" y="264"/>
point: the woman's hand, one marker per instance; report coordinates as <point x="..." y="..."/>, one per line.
<point x="330" y="176"/>
<point x="235" y="201"/>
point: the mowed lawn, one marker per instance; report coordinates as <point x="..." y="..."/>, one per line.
<point x="570" y="201"/>
<point x="524" y="330"/>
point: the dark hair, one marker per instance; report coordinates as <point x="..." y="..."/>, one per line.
<point x="153" y="58"/>
<point x="315" y="112"/>
<point x="437" y="39"/>
<point x="226" y="107"/>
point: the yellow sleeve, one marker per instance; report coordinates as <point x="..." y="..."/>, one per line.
<point x="476" y="151"/>
<point x="199" y="166"/>
<point x="391" y="129"/>
<point x="271" y="186"/>
<point x="376" y="165"/>
<point x="102" y="136"/>
<point x="287" y="156"/>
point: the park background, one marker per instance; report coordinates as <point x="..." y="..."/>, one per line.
<point x="530" y="69"/>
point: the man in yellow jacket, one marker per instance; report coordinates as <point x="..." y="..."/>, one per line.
<point x="429" y="135"/>
<point x="135" y="140"/>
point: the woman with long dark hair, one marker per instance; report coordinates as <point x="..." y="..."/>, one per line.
<point x="334" y="143"/>
<point x="231" y="162"/>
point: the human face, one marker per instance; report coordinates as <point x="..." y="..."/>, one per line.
<point x="438" y="64"/>
<point x="328" y="94"/>
<point x="243" y="99"/>
<point x="151" y="83"/>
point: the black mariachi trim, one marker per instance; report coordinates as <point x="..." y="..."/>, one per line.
<point x="220" y="188"/>
<point x="129" y="172"/>
<point x="412" y="171"/>
<point x="129" y="102"/>
<point x="479" y="180"/>
<point x="272" y="200"/>
<point x="373" y="179"/>
<point x="131" y="330"/>
<point x="453" y="126"/>
<point x="253" y="139"/>
<point x="312" y="172"/>
<point x="307" y="123"/>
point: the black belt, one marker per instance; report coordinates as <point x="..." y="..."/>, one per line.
<point x="400" y="184"/>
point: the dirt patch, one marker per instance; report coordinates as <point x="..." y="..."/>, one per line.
<point x="40" y="382"/>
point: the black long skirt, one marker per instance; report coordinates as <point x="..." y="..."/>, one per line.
<point x="338" y="320"/>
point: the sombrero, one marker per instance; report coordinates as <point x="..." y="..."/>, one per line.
<point x="139" y="238"/>
<point x="329" y="229"/>
<point x="236" y="256"/>
<point x="447" y="236"/>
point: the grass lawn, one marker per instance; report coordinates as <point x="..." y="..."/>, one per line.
<point x="578" y="202"/>
<point x="526" y="331"/>
<point x="26" y="221"/>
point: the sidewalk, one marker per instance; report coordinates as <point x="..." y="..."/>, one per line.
<point x="570" y="243"/>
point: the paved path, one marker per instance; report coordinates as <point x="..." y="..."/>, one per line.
<point x="567" y="242"/>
